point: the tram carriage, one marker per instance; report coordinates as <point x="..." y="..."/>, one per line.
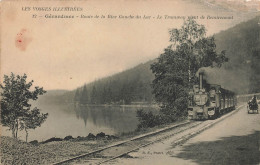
<point x="208" y="101"/>
<point x="252" y="106"/>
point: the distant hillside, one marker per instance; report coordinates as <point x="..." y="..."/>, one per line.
<point x="242" y="45"/>
<point x="54" y="96"/>
<point x="240" y="74"/>
<point x="55" y="92"/>
<point x="130" y="86"/>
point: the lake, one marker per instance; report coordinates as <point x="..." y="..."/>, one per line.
<point x="69" y="119"/>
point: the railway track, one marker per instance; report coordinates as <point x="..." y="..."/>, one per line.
<point x="182" y="131"/>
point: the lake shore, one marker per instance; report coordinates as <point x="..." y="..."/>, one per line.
<point x="133" y="105"/>
<point x="14" y="151"/>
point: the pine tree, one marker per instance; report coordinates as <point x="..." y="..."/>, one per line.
<point x="77" y="96"/>
<point x="84" y="98"/>
<point x="93" y="96"/>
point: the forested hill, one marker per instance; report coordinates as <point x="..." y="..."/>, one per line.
<point x="133" y="85"/>
<point x="242" y="45"/>
<point x="54" y="96"/>
<point x="130" y="86"/>
<point x="240" y="74"/>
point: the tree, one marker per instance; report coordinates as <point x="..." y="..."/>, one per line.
<point x="175" y="69"/>
<point x="126" y="94"/>
<point x="84" y="99"/>
<point x="16" y="111"/>
<point x="32" y="119"/>
<point x="77" y="96"/>
<point x="104" y="95"/>
<point x="170" y="84"/>
<point x="93" y="98"/>
<point x="199" y="51"/>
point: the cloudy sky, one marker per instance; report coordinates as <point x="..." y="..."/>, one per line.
<point x="66" y="53"/>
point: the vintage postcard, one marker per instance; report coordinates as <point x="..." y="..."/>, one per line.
<point x="130" y="82"/>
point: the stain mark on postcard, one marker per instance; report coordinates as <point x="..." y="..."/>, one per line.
<point x="23" y="39"/>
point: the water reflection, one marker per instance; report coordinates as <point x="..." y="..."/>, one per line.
<point x="119" y="119"/>
<point x="68" y="119"/>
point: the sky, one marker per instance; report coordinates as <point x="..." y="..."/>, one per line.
<point x="67" y="53"/>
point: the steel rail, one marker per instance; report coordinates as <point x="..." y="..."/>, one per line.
<point x="146" y="144"/>
<point x="123" y="142"/>
<point x="147" y="135"/>
<point x="180" y="140"/>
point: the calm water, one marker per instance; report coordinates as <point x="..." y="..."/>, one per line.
<point x="68" y="119"/>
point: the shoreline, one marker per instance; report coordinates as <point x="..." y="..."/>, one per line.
<point x="15" y="151"/>
<point x="119" y="105"/>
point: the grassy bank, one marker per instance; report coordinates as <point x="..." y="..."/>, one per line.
<point x="15" y="151"/>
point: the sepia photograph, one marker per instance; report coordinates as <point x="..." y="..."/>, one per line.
<point x="130" y="82"/>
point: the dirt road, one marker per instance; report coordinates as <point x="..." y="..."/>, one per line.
<point x="235" y="140"/>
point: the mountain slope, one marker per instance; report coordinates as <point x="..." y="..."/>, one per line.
<point x="241" y="74"/>
<point x="242" y="45"/>
<point x="132" y="85"/>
